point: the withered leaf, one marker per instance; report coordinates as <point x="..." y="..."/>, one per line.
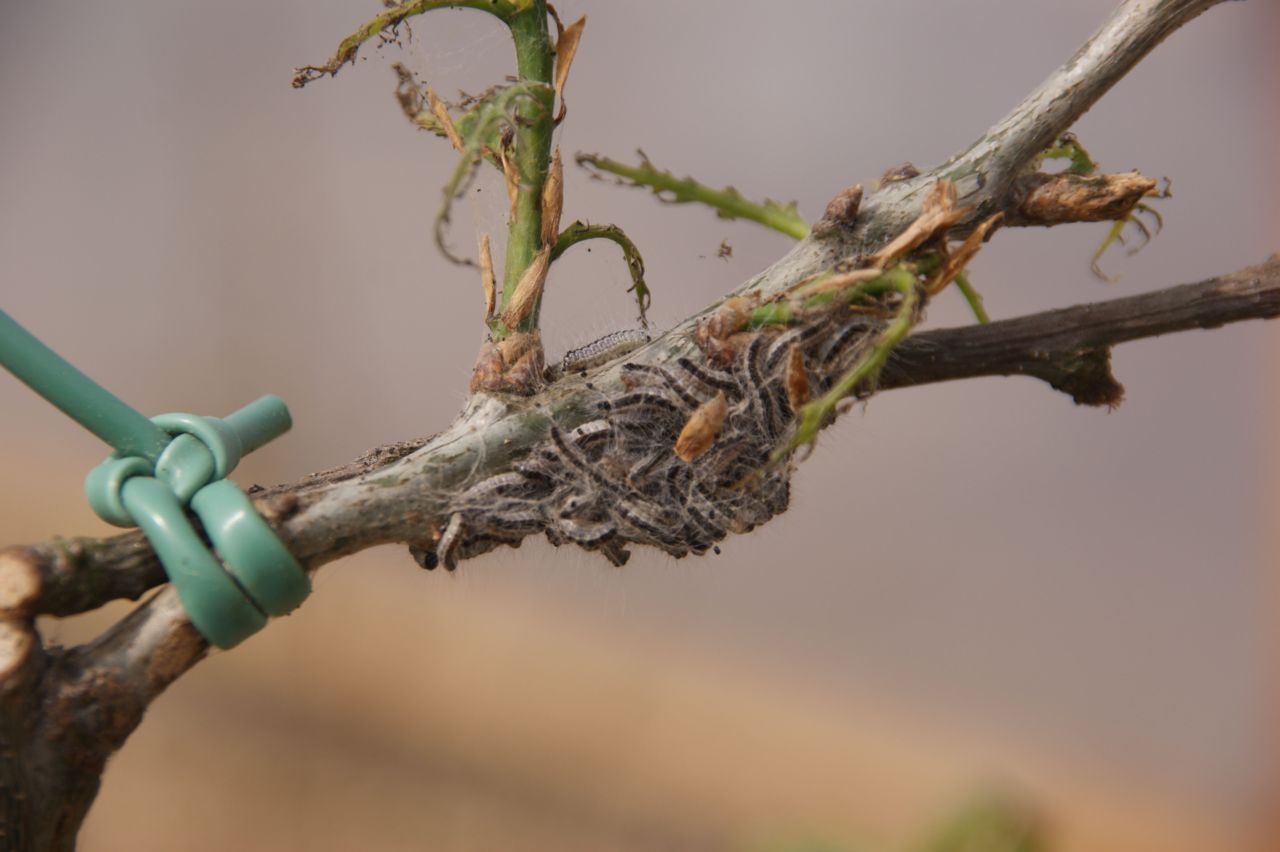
<point x="487" y="278"/>
<point x="797" y="379"/>
<point x="841" y="210"/>
<point x="1051" y="199"/>
<point x="939" y="212"/>
<point x="525" y="375"/>
<point x="552" y="200"/>
<point x="512" y="178"/>
<point x="528" y="290"/>
<point x="702" y="428"/>
<point x="959" y="258"/>
<point x="566" y="48"/>
<point x="441" y="112"/>
<point x="730" y="317"/>
<point x="488" y="371"/>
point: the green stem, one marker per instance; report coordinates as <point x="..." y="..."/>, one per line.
<point x="814" y="415"/>
<point x="580" y="232"/>
<point x="389" y="20"/>
<point x="728" y="202"/>
<point x="972" y="296"/>
<point x="772" y="313"/>
<point x="534" y="126"/>
<point x="786" y="312"/>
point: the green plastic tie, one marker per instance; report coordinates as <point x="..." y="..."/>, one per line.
<point x="78" y="396"/>
<point x="165" y="464"/>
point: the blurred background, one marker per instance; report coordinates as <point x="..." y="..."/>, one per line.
<point x="980" y="590"/>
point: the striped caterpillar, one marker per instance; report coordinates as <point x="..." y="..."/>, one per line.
<point x="601" y="351"/>
<point x="615" y="480"/>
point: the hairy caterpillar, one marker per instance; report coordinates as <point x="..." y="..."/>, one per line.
<point x="602" y="350"/>
<point x="617" y="480"/>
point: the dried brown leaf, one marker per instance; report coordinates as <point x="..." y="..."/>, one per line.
<point x="553" y="200"/>
<point x="513" y="347"/>
<point x="488" y="371"/>
<point x="841" y="211"/>
<point x="718" y="352"/>
<point x="893" y="174"/>
<point x="555" y="16"/>
<point x="959" y="258"/>
<point x="512" y="177"/>
<point x="938" y="213"/>
<point x="702" y="428"/>
<point x="1054" y="199"/>
<point x="514" y="364"/>
<point x="487" y="278"/>
<point x="526" y="374"/>
<point x="730" y="317"/>
<point x="566" y="48"/>
<point x="441" y="112"/>
<point x="797" y="379"/>
<point x="528" y="290"/>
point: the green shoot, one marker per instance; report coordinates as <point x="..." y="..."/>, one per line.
<point x="1068" y="147"/>
<point x="971" y="296"/>
<point x="816" y="414"/>
<point x="728" y="202"/>
<point x="579" y="232"/>
<point x="490" y="115"/>
<point x="390" y="20"/>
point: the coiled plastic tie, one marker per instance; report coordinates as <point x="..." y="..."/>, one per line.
<point x="165" y="464"/>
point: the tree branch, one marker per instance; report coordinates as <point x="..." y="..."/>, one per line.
<point x="89" y="699"/>
<point x="1068" y="348"/>
<point x="984" y="171"/>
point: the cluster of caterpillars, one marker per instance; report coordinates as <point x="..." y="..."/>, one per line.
<point x="618" y="480"/>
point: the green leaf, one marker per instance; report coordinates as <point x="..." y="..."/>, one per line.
<point x="491" y="116"/>
<point x="580" y="231"/>
<point x="728" y="202"/>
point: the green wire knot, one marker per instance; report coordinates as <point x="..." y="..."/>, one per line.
<point x="261" y="578"/>
<point x="163" y="466"/>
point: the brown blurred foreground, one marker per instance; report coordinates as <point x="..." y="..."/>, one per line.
<point x="385" y="720"/>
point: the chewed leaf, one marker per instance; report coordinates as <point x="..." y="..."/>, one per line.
<point x="387" y="22"/>
<point x="425" y="109"/>
<point x="864" y="371"/>
<point x="580" y="231"/>
<point x="473" y="128"/>
<point x="1068" y="147"/>
<point x="728" y="202"/>
<point x="441" y="113"/>
<point x="487" y="278"/>
<point x="488" y="117"/>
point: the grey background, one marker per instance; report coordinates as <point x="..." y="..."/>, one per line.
<point x="178" y="221"/>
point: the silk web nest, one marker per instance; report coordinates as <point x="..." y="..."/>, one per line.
<point x="618" y="480"/>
